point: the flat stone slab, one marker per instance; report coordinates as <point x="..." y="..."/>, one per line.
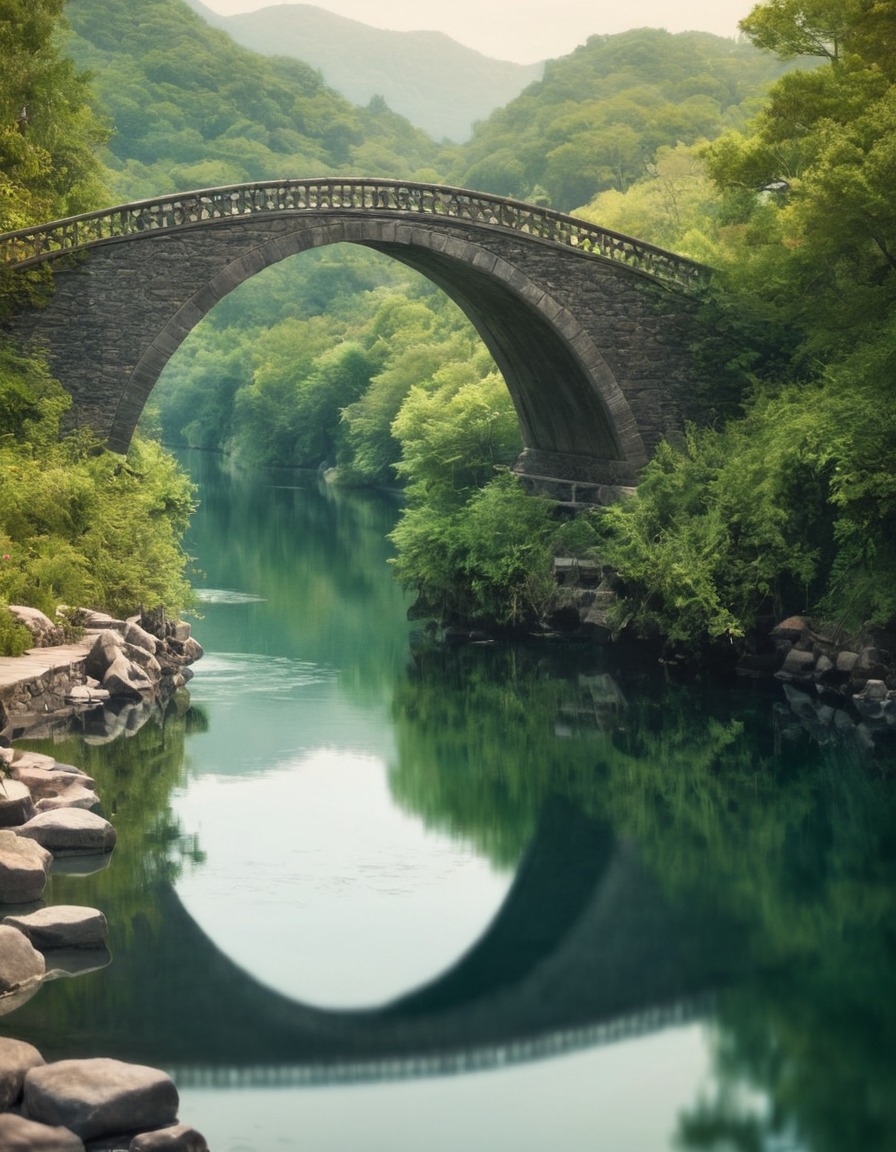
<point x="70" y="831"/>
<point x="178" y="1138"/>
<point x="16" y="1059"/>
<point x="74" y="795"/>
<point x="20" y="1135"/>
<point x="99" y="1097"/>
<point x="44" y="782"/>
<point x="62" y="926"/>
<point x="37" y="662"/>
<point x="24" y="868"/>
<point x="20" y="962"/>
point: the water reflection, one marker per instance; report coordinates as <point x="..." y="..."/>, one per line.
<point x="677" y="852"/>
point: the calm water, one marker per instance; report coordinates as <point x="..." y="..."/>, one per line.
<point x="370" y="895"/>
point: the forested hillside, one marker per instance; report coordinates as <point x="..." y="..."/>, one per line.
<point x="189" y="108"/>
<point x="438" y="84"/>
<point x="598" y="116"/>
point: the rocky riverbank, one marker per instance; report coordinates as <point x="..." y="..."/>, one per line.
<point x="49" y="820"/>
<point x="132" y="665"/>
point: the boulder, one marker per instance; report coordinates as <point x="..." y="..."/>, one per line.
<point x="48" y="782"/>
<point x="846" y="662"/>
<point x="20" y="1135"/>
<point x="139" y="637"/>
<point x="125" y="678"/>
<point x="24" y="868"/>
<point x="105" y="649"/>
<point x="46" y="634"/>
<point x="16" y="1058"/>
<point x="143" y="659"/>
<point x="16" y="803"/>
<point x="70" y="831"/>
<point x="99" y="1096"/>
<point x="76" y="795"/>
<point x="794" y="629"/>
<point x="798" y="665"/>
<point x="179" y="1138"/>
<point x="20" y="962"/>
<point x="21" y="758"/>
<point x="62" y="926"/>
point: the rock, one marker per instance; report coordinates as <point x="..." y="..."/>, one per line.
<point x="140" y="638"/>
<point x="143" y="659"/>
<point x="16" y="1058"/>
<point x="125" y="678"/>
<point x="846" y="661"/>
<point x="46" y="634"/>
<point x="48" y="782"/>
<point x="76" y="795"/>
<point x="70" y="831"/>
<point x="62" y="926"/>
<point x="182" y="630"/>
<point x="102" y="620"/>
<point x="22" y="759"/>
<point x="105" y="650"/>
<point x="871" y="665"/>
<point x="179" y="1138"/>
<point x="874" y="690"/>
<point x="20" y="1135"/>
<point x="98" y="1097"/>
<point x="16" y="803"/>
<point x="192" y="650"/>
<point x="794" y="628"/>
<point x="85" y="694"/>
<point x="20" y="962"/>
<point x="24" y="867"/>
<point x="797" y="665"/>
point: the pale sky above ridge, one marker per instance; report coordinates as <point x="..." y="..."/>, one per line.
<point x="526" y="30"/>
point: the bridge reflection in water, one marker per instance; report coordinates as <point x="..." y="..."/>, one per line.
<point x="584" y="951"/>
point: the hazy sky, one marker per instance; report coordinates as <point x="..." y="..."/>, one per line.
<point x="527" y="30"/>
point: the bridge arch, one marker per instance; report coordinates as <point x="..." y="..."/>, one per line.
<point x="563" y="389"/>
<point x="589" y="328"/>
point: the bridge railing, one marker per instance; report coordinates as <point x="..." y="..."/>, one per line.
<point x="44" y="242"/>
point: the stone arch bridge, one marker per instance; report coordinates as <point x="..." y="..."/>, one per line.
<point x="589" y="328"/>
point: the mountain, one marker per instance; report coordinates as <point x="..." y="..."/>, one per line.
<point x="190" y="108"/>
<point x="597" y="117"/>
<point x="438" y="84"/>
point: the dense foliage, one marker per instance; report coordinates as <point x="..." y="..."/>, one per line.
<point x="48" y="167"/>
<point x="78" y="526"/>
<point x="790" y="505"/>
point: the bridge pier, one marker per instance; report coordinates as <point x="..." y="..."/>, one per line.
<point x="573" y="481"/>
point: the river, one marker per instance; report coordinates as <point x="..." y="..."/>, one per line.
<point x="372" y="894"/>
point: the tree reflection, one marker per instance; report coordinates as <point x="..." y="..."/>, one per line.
<point x="788" y="843"/>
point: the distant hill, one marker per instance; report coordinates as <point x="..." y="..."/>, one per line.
<point x="596" y="118"/>
<point x="438" y="84"/>
<point x="190" y="108"/>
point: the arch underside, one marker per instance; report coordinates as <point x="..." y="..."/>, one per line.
<point x="569" y="405"/>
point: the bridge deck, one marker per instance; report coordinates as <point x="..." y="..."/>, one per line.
<point x="29" y="246"/>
